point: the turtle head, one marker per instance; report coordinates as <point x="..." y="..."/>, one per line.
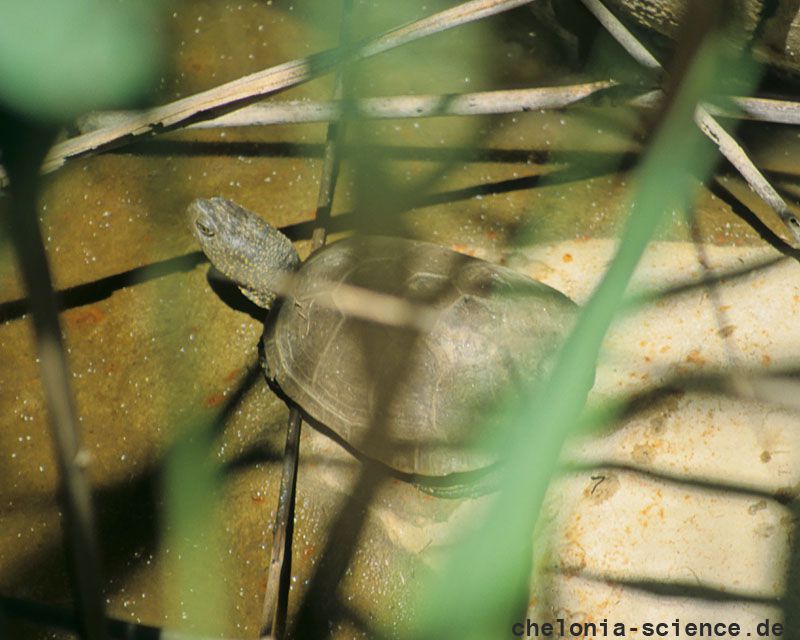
<point x="242" y="246"/>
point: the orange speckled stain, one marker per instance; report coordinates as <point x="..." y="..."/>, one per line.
<point x="653" y="509"/>
<point x="694" y="357"/>
<point x="578" y="560"/>
<point x="765" y="360"/>
<point x="214" y="400"/>
<point x="567" y="257"/>
<point x="84" y="316"/>
<point x="232" y="374"/>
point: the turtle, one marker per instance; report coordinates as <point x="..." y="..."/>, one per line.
<point x="494" y="328"/>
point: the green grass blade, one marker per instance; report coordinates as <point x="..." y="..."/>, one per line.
<point x="484" y="582"/>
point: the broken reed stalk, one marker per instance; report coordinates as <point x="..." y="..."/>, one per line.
<point x="24" y="147"/>
<point x="463" y="104"/>
<point x="734" y="153"/>
<point x="210" y="103"/>
<point x="428" y="106"/>
<point x="276" y="598"/>
<point x="761" y="109"/>
<point x="728" y="146"/>
<point x="330" y="163"/>
<point x="621" y="34"/>
<point x="746" y="108"/>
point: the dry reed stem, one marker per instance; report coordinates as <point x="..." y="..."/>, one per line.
<point x="734" y="153"/>
<point x="428" y="106"/>
<point x="210" y="103"/>
<point x="24" y="146"/>
<point x="273" y="613"/>
<point x="728" y="146"/>
<point x="621" y="34"/>
<point x="761" y="109"/>
<point x="276" y="598"/>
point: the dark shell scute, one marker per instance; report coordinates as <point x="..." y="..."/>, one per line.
<point x="495" y="328"/>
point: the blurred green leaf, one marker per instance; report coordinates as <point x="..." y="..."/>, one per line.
<point x="60" y="58"/>
<point x="482" y="588"/>
<point x="192" y="537"/>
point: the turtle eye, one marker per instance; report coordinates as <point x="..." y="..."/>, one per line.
<point x="207" y="231"/>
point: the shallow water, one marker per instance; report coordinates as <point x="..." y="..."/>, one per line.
<point x="149" y="348"/>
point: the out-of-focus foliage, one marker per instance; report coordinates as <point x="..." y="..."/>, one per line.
<point x="483" y="587"/>
<point x="195" y="588"/>
<point x="60" y="58"/>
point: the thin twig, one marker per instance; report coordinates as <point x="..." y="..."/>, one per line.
<point x="463" y="104"/>
<point x="24" y="147"/>
<point x="728" y="146"/>
<point x="332" y="156"/>
<point x="210" y="103"/>
<point x="273" y="614"/>
<point x="621" y="34"/>
<point x="761" y="109"/>
<point x="276" y="599"/>
<point x="429" y="106"/>
<point x="746" y="108"/>
<point x="734" y="153"/>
